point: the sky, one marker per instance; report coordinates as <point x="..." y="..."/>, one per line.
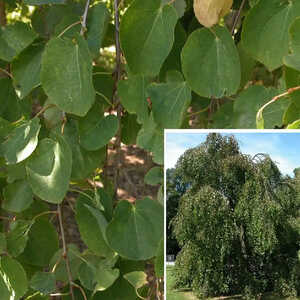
<point x="283" y="148"/>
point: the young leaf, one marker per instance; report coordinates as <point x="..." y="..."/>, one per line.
<point x="210" y="63"/>
<point x="147" y="35"/>
<point x="150" y="138"/>
<point x="49" y="169"/>
<point x="66" y="74"/>
<point x="21" y="142"/>
<point x="137" y="279"/>
<point x="136" y="230"/>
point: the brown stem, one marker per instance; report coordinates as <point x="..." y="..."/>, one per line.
<point x="116" y="100"/>
<point x="2" y="14"/>
<point x="237" y="17"/>
<point x="84" y="18"/>
<point x="65" y="251"/>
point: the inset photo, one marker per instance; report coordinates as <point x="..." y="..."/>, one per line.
<point x="232" y="214"/>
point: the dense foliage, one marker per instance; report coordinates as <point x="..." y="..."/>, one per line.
<point x="237" y="223"/>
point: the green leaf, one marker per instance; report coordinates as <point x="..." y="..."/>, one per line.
<point x="154" y="176"/>
<point x="66" y="75"/>
<point x="13" y="279"/>
<point x="49" y="169"/>
<point x="17" y="196"/>
<point x="292" y="79"/>
<point x="97" y="23"/>
<point x="159" y="260"/>
<point x="83" y="162"/>
<point x="147" y="35"/>
<point x="96" y="135"/>
<point x="294" y="125"/>
<point x="263" y="20"/>
<point x="16" y="172"/>
<point x="210" y="63"/>
<point x="26" y="70"/>
<point x="92" y="223"/>
<point x="132" y="93"/>
<point x="43" y="282"/>
<point x="10" y="106"/>
<point x="105" y="277"/>
<point x="223" y="117"/>
<point x="179" y="5"/>
<point x="17" y="237"/>
<point x="41" y="245"/>
<point x="173" y="61"/>
<point x="129" y="129"/>
<point x="21" y="142"/>
<point x="169" y="103"/>
<point x="14" y="38"/>
<point x="137" y="279"/>
<point x="293" y="60"/>
<point x="150" y="138"/>
<point x="42" y="2"/>
<point x="250" y="101"/>
<point x="136" y="230"/>
<point x="75" y="261"/>
<point x="3" y="243"/>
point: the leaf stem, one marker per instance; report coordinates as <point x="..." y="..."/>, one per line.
<point x="6" y="72"/>
<point x="259" y="115"/>
<point x="43" y="110"/>
<point x="104" y="97"/>
<point x="82" y="193"/>
<point x="81" y="290"/>
<point x="84" y="18"/>
<point x="65" y="251"/>
<point x="44" y="213"/>
<point x="67" y="28"/>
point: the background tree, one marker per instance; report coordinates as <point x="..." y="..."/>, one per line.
<point x="236" y="224"/>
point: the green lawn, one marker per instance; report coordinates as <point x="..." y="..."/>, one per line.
<point x="187" y="295"/>
<point x="176" y="294"/>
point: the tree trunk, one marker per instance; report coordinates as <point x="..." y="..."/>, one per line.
<point x="2" y="14"/>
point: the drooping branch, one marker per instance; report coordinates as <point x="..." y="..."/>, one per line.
<point x="65" y="251"/>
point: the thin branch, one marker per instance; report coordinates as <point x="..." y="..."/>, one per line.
<point x="67" y="28"/>
<point x="65" y="251"/>
<point x="44" y="109"/>
<point x="82" y="193"/>
<point x="115" y="97"/>
<point x="199" y="112"/>
<point x="57" y="264"/>
<point x="7" y="73"/>
<point x="237" y="17"/>
<point x="259" y="115"/>
<point x="84" y="17"/>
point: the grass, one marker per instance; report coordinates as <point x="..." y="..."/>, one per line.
<point x="173" y="294"/>
<point x="176" y="294"/>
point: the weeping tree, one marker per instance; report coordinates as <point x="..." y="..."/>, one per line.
<point x="237" y="223"/>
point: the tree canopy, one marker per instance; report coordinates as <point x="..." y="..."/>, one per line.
<point x="237" y="222"/>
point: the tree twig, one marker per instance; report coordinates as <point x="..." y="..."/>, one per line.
<point x="115" y="97"/>
<point x="237" y="17"/>
<point x="6" y="72"/>
<point x="84" y="18"/>
<point x="259" y="115"/>
<point x="81" y="290"/>
<point x="44" y="109"/>
<point x="65" y="251"/>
